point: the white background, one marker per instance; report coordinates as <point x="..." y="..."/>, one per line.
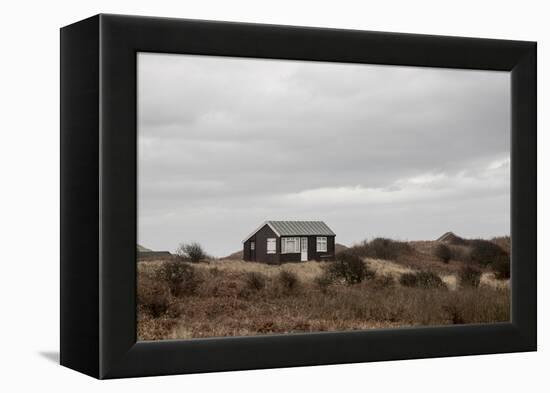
<point x="29" y="197"/>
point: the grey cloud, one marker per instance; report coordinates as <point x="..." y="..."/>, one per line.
<point x="225" y="140"/>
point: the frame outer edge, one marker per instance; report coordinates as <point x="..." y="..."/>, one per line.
<point x="79" y="127"/>
<point x="524" y="196"/>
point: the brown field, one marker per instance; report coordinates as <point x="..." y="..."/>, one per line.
<point x="237" y="298"/>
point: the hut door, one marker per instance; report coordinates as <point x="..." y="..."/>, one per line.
<point x="303" y="247"/>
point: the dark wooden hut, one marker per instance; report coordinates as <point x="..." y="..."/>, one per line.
<point x="277" y="242"/>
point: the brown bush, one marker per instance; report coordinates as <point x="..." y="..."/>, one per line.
<point x="430" y="280"/>
<point x="350" y="268"/>
<point x="503" y="242"/>
<point x="469" y="276"/>
<point x="408" y="280"/>
<point x="288" y="280"/>
<point x="255" y="281"/>
<point x="223" y="284"/>
<point x="381" y="248"/>
<point x="442" y="252"/>
<point x="383" y="282"/>
<point x="181" y="278"/>
<point x="153" y="296"/>
<point x="454" y="311"/>
<point x="426" y="280"/>
<point x="501" y="267"/>
<point x="460" y="253"/>
<point x="484" y="252"/>
<point x="323" y="282"/>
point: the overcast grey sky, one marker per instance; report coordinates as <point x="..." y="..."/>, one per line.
<point x="403" y="152"/>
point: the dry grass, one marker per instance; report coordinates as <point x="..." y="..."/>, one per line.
<point x="229" y="301"/>
<point x="503" y="242"/>
<point x="306" y="270"/>
<point x="488" y="279"/>
<point x="390" y="268"/>
<point x="451" y="281"/>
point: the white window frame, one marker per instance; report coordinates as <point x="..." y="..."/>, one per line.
<point x="290" y="245"/>
<point x="322" y="244"/>
<point x="271" y="245"/>
<point x="252" y="245"/>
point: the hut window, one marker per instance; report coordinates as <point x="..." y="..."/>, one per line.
<point x="291" y="245"/>
<point x="321" y="244"/>
<point x="271" y="246"/>
<point x="252" y="245"/>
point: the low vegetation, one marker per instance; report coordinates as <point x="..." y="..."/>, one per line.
<point x="426" y="280"/>
<point x="381" y="248"/>
<point x="375" y="284"/>
<point x="288" y="280"/>
<point x="443" y="252"/>
<point x="484" y="252"/>
<point x="503" y="242"/>
<point x="501" y="267"/>
<point x="192" y="252"/>
<point x="255" y="281"/>
<point x="153" y="296"/>
<point x="470" y="277"/>
<point x="180" y="278"/>
<point x="348" y="267"/>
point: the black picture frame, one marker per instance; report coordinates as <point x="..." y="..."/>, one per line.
<point x="98" y="195"/>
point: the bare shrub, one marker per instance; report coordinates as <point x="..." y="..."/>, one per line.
<point x="383" y="282"/>
<point x="349" y="267"/>
<point x="430" y="280"/>
<point x="460" y="253"/>
<point x="484" y="252"/>
<point x="153" y="296"/>
<point x="408" y="280"/>
<point x="181" y="278"/>
<point x="288" y="280"/>
<point x="255" y="281"/>
<point x="426" y="280"/>
<point x="442" y="252"/>
<point x="381" y="248"/>
<point x="503" y="242"/>
<point x="191" y="252"/>
<point x="454" y="312"/>
<point x="323" y="282"/>
<point x="501" y="267"/>
<point x="469" y="276"/>
<point x="222" y="285"/>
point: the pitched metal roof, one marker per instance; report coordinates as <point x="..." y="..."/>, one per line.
<point x="296" y="228"/>
<point x="300" y="228"/>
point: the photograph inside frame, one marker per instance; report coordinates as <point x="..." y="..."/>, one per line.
<point x="280" y="197"/>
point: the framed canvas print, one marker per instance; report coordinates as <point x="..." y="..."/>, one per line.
<point x="238" y="196"/>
